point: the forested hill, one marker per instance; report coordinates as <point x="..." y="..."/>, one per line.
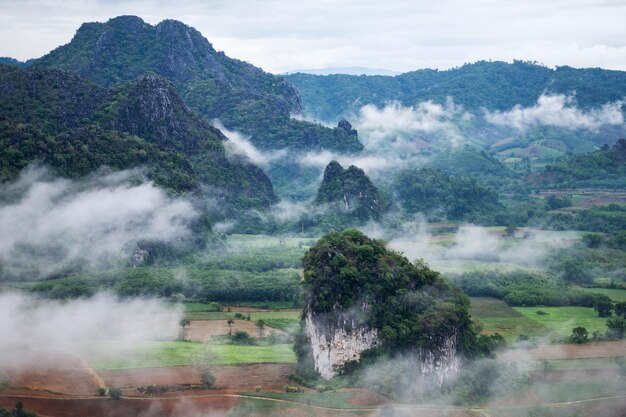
<point x="242" y="96"/>
<point x="74" y="126"/>
<point x="488" y="85"/>
<point x="352" y="192"/>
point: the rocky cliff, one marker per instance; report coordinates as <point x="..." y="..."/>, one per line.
<point x="332" y="346"/>
<point x="362" y="298"/>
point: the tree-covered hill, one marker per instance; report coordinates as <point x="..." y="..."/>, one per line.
<point x="605" y="168"/>
<point x="350" y="192"/>
<point x="482" y="85"/>
<point x="441" y="196"/>
<point x="241" y="95"/>
<point x="75" y="126"/>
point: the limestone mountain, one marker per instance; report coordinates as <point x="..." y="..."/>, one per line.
<point x="75" y="126"/>
<point x="350" y="191"/>
<point x="242" y="96"/>
<point x="361" y="297"/>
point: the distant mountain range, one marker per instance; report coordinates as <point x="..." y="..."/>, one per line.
<point x="346" y="71"/>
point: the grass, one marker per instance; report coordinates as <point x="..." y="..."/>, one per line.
<point x="614" y="294"/>
<point x="563" y="319"/>
<point x="497" y="317"/>
<point x="112" y="355"/>
<point x="283" y="324"/>
<point x="322" y="399"/>
<point x="572" y="391"/>
<point x="270" y="305"/>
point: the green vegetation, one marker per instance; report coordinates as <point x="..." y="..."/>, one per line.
<point x="155" y="354"/>
<point x="351" y="194"/>
<point x="242" y="96"/>
<point x="411" y="305"/>
<point x="484" y="84"/>
<point x="76" y="127"/>
<point x="572" y="391"/>
<point x="523" y="288"/>
<point x="441" y="196"/>
<point x="494" y="316"/>
<point x="563" y="319"/>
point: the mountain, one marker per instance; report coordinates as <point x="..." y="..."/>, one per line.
<point x="482" y="85"/>
<point x="75" y="126"/>
<point x="242" y="96"/>
<point x="363" y="297"/>
<point x="350" y="191"/>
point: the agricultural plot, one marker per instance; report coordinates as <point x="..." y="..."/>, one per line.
<point x="497" y="317"/>
<point x="109" y="355"/>
<point x="561" y="320"/>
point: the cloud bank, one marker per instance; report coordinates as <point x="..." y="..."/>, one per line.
<point x="49" y="223"/>
<point x="239" y="144"/>
<point x="559" y="111"/>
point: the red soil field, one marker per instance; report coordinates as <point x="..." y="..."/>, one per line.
<point x="236" y="377"/>
<point x="586" y="350"/>
<point x="105" y="407"/>
<point x="53" y="370"/>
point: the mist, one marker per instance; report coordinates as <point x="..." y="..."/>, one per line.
<point x="37" y="325"/>
<point x="559" y="111"/>
<point x="239" y="144"/>
<point x="51" y="223"/>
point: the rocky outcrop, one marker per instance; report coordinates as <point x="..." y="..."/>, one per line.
<point x="332" y="345"/>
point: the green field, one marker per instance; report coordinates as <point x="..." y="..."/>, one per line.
<point x="109" y="355"/>
<point x="293" y="315"/>
<point x="614" y="294"/>
<point x="497" y="317"/>
<point x="563" y="319"/>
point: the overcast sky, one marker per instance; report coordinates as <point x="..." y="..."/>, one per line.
<point x="400" y="35"/>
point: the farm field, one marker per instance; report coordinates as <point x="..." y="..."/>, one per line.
<point x="102" y="355"/>
<point x="497" y="317"/>
<point x="562" y="320"/>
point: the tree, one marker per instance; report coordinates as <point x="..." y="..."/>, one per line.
<point x="182" y="334"/>
<point x="203" y="362"/>
<point x="617" y="327"/>
<point x="579" y="335"/>
<point x="261" y="325"/>
<point x="620" y="309"/>
<point x="545" y="367"/>
<point x="230" y="325"/>
<point x="115" y="393"/>
<point x="603" y="306"/>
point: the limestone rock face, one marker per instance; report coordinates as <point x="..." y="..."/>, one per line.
<point x="339" y="345"/>
<point x="334" y="345"/>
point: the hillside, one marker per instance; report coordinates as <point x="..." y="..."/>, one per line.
<point x="242" y="96"/>
<point x="54" y="117"/>
<point x="350" y="192"/>
<point x="489" y="85"/>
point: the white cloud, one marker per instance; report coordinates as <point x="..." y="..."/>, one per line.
<point x="559" y="111"/>
<point x="238" y="144"/>
<point x="47" y="223"/>
<point x="407" y="128"/>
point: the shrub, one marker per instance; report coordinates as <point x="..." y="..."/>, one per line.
<point x="102" y="391"/>
<point x="115" y="393"/>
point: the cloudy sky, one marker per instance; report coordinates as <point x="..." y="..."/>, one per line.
<point x="400" y="35"/>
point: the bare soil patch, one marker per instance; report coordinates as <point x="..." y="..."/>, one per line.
<point x="205" y="330"/>
<point x="104" y="407"/>
<point x="234" y="377"/>
<point x="365" y="397"/>
<point x="51" y="370"/>
<point x="586" y="350"/>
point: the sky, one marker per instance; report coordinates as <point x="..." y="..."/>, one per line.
<point x="398" y="35"/>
